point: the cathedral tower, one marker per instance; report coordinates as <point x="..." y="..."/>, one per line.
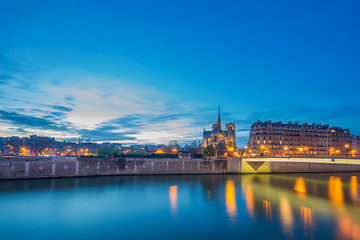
<point x="223" y="140"/>
<point x="219" y="120"/>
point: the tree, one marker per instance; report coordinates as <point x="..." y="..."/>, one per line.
<point x="37" y="144"/>
<point x="221" y="149"/>
<point x="193" y="147"/>
<point x="15" y="144"/>
<point x="173" y="144"/>
<point x="107" y="152"/>
<point x="209" y="151"/>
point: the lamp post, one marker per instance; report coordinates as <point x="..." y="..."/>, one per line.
<point x="347" y="150"/>
<point x="331" y="152"/>
<point x="300" y="150"/>
<point x="286" y="148"/>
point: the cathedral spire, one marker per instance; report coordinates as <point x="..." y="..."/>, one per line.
<point x="219" y="120"/>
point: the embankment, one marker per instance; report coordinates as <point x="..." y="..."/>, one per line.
<point x="51" y="167"/>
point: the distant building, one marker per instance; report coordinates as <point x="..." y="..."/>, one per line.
<point x="222" y="140"/>
<point x="294" y="139"/>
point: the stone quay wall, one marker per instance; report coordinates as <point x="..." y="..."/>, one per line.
<point x="20" y="168"/>
<point x="51" y="167"/>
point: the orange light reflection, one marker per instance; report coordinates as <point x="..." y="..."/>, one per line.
<point x="267" y="210"/>
<point x="250" y="204"/>
<point x="230" y="198"/>
<point x="347" y="228"/>
<point x="307" y="217"/>
<point x="286" y="214"/>
<point x="300" y="187"/>
<point x="173" y="194"/>
<point x="336" y="194"/>
<point x="353" y="188"/>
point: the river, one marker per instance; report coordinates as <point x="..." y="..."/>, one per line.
<point x="259" y="206"/>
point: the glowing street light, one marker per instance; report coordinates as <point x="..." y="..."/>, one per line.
<point x="23" y="151"/>
<point x="347" y="149"/>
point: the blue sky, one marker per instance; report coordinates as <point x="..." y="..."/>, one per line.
<point x="152" y="71"/>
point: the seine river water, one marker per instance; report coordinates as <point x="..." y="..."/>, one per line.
<point x="263" y="206"/>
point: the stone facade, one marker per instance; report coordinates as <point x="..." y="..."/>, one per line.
<point x="23" y="167"/>
<point x="303" y="140"/>
<point x="223" y="140"/>
<point x="33" y="167"/>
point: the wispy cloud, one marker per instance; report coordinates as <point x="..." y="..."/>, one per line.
<point x="18" y="119"/>
<point x="102" y="108"/>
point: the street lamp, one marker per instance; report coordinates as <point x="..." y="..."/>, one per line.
<point x="353" y="152"/>
<point x="285" y="149"/>
<point x="347" y="150"/>
<point x="23" y="151"/>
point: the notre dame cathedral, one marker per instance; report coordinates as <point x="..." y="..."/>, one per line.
<point x="222" y="140"/>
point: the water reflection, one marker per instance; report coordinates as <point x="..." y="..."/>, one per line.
<point x="292" y="206"/>
<point x="347" y="225"/>
<point x="300" y="187"/>
<point x="250" y="204"/>
<point x="209" y="194"/>
<point x="354" y="189"/>
<point x="336" y="194"/>
<point x="173" y="195"/>
<point x="230" y="199"/>
<point x="347" y="228"/>
<point x="286" y="214"/>
<point x="267" y="210"/>
<point x="320" y="202"/>
<point x="307" y="217"/>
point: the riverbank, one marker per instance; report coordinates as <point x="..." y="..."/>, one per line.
<point x="52" y="167"/>
<point x="19" y="168"/>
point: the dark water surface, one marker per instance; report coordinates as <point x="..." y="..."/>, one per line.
<point x="263" y="206"/>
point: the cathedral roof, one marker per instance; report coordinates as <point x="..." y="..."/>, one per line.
<point x="224" y="133"/>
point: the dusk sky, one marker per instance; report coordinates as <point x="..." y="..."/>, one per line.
<point x="154" y="71"/>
